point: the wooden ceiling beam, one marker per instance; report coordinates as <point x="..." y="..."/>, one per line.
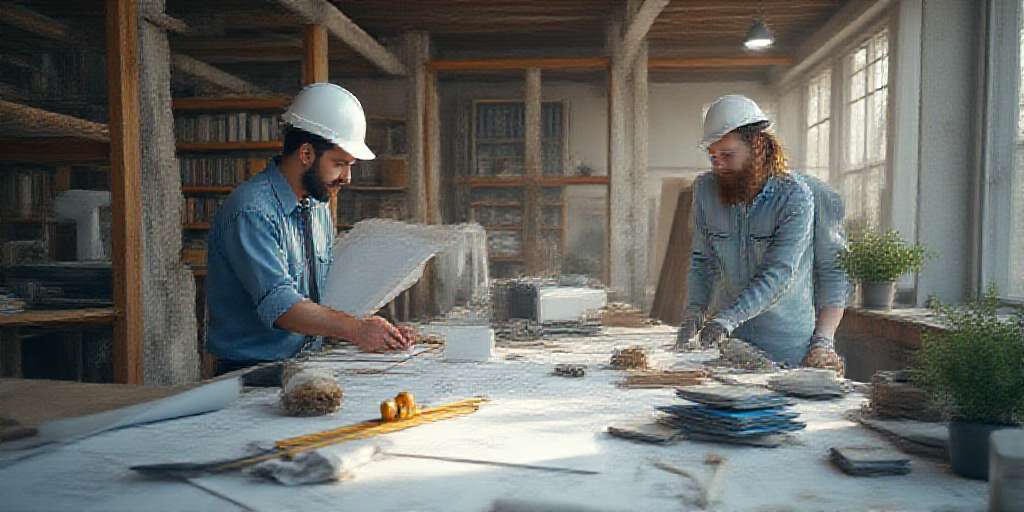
<point x="597" y="63"/>
<point x="664" y="64"/>
<point x="44" y="26"/>
<point x="639" y="26"/>
<point x="340" y="26"/>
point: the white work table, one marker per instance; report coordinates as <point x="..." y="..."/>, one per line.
<point x="533" y="418"/>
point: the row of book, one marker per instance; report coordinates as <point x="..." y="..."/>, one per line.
<point x="228" y="127"/>
<point x="201" y="209"/>
<point x="26" y="193"/>
<point x="219" y="171"/>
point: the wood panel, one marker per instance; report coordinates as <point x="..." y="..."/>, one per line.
<point x="42" y="318"/>
<point x="126" y="171"/>
<point x="54" y="150"/>
<point x="670" y="296"/>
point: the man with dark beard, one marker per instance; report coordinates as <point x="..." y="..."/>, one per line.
<point x="759" y="250"/>
<point x="270" y="243"/>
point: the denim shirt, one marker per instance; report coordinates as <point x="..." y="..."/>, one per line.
<point x="257" y="267"/>
<point x="751" y="267"/>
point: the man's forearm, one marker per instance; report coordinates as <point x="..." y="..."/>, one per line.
<point x="312" y="319"/>
<point x="828" y="321"/>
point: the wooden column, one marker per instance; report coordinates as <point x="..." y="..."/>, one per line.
<point x="314" y="70"/>
<point x="125" y="176"/>
<point x="533" y="156"/>
<point x="416" y="50"/>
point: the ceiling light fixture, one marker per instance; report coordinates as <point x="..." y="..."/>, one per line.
<point x="759" y="37"/>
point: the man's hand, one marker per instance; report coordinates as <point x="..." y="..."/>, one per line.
<point x="375" y="334"/>
<point x="821" y="353"/>
<point x="688" y="328"/>
<point x="410" y="334"/>
<point x="712" y="334"/>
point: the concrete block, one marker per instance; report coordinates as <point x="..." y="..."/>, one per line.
<point x="564" y="304"/>
<point x="1006" y="471"/>
<point x="464" y="342"/>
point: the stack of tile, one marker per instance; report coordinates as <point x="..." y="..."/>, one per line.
<point x="813" y="383"/>
<point x="733" y="414"/>
<point x="893" y="395"/>
<point x="869" y="461"/>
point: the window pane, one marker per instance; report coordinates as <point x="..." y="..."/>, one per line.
<point x="877" y="126"/>
<point x="855" y="143"/>
<point x="823" y="145"/>
<point x="1017" y="223"/>
<point x="860" y="58"/>
<point x="812" y="103"/>
<point x="825" y="93"/>
<point x="812" y="147"/>
<point x="881" y="45"/>
<point x="857" y="83"/>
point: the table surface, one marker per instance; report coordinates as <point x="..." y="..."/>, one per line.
<point x="534" y="417"/>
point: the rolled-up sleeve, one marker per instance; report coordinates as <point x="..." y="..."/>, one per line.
<point x="832" y="286"/>
<point x="703" y="273"/>
<point x="792" y="238"/>
<point x="251" y="246"/>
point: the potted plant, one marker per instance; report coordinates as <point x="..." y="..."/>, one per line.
<point x="975" y="367"/>
<point x="875" y="260"/>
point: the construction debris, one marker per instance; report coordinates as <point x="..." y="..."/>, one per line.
<point x="740" y="354"/>
<point x="618" y="314"/>
<point x="664" y="379"/>
<point x="893" y="395"/>
<point x="632" y="358"/>
<point x="310" y="392"/>
<point x="570" y="370"/>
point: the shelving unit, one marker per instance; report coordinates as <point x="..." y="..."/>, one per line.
<point x="379" y="186"/>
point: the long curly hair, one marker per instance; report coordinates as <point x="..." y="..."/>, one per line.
<point x="767" y="160"/>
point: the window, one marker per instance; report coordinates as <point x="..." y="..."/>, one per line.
<point x="862" y="164"/>
<point x="819" y="104"/>
<point x="1016" y="285"/>
<point x="499" y="142"/>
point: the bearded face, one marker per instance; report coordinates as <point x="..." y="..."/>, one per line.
<point x="739" y="180"/>
<point x="327" y="173"/>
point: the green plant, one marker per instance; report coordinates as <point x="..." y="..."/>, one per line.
<point x="875" y="257"/>
<point x="976" y="365"/>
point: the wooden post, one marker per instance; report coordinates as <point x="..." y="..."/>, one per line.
<point x="62" y="179"/>
<point x="532" y="212"/>
<point x="418" y="122"/>
<point x="314" y="70"/>
<point x="125" y="178"/>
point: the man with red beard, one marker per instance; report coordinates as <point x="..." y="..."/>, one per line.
<point x="270" y="243"/>
<point x="754" y="264"/>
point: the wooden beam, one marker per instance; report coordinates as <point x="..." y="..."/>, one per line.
<point x="31" y="121"/>
<point x="640" y="25"/>
<point x="519" y="64"/>
<point x="340" y="26"/>
<point x="54" y="150"/>
<point x="166" y="22"/>
<point x="314" y="51"/>
<point x="533" y="214"/>
<point x="126" y="191"/>
<point x="231" y="103"/>
<point x="314" y="70"/>
<point x="32" y="22"/>
<point x="51" y="317"/>
<point x="848" y="22"/>
<point x="663" y="64"/>
<point x="203" y="71"/>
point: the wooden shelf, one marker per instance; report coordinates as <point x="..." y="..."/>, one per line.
<point x="210" y="189"/>
<point x="504" y="227"/>
<point x="504" y="259"/>
<point x="495" y="204"/>
<point x="401" y="157"/>
<point x="518" y="181"/>
<point x="198" y="226"/>
<point x="54" y="150"/>
<point x="272" y="145"/>
<point x="232" y="103"/>
<point x="344" y="226"/>
<point x="551" y="228"/>
<point x="46" y="317"/>
<point x="28" y="220"/>
<point x="553" y="205"/>
<point x="373" y="188"/>
<point x="385" y="119"/>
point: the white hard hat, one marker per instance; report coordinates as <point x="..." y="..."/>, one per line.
<point x="333" y="113"/>
<point x="728" y="113"/>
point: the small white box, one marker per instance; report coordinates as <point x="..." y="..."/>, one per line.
<point x="564" y="304"/>
<point x="464" y="342"/>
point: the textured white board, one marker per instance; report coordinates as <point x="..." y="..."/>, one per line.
<point x="377" y="260"/>
<point x="564" y="304"/>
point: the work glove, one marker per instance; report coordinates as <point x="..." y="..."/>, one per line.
<point x="821" y="353"/>
<point x="688" y="328"/>
<point x="712" y="334"/>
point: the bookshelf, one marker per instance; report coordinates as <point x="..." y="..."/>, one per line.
<point x="378" y="187"/>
